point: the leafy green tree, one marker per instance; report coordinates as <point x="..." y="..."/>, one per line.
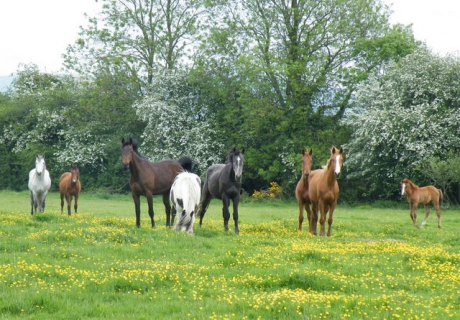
<point x="283" y="72"/>
<point x="175" y="122"/>
<point x="135" y="38"/>
<point x="402" y="117"/>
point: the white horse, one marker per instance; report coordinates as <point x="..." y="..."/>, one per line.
<point x="39" y="184"/>
<point x="185" y="196"/>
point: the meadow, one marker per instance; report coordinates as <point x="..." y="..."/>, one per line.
<point x="97" y="265"/>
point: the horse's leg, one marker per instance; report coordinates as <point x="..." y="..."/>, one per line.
<point x="167" y="208"/>
<point x="206" y="198"/>
<point x="309" y="214"/>
<point x="438" y="213"/>
<point x="235" y="201"/>
<point x="427" y="213"/>
<point x="150" y="205"/>
<point x="31" y="203"/>
<point x="314" y="218"/>
<point x="413" y="213"/>
<point x="75" y="206"/>
<point x="331" y="218"/>
<point x="68" y="198"/>
<point x="62" y="203"/>
<point x="137" y="209"/>
<point x="225" y="211"/>
<point x="323" y="208"/>
<point x="173" y="214"/>
<point x="301" y="206"/>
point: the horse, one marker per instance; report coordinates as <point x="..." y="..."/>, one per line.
<point x="223" y="181"/>
<point x="301" y="190"/>
<point x="150" y="178"/>
<point x="416" y="195"/>
<point x="324" y="191"/>
<point x="70" y="186"/>
<point x="39" y="184"/>
<point x="185" y="196"/>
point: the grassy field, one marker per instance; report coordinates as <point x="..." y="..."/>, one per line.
<point x="97" y="265"/>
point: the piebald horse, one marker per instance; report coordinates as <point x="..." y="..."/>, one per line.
<point x="301" y="190"/>
<point x="324" y="191"/>
<point x="424" y="195"/>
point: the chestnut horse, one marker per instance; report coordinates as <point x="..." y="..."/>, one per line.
<point x="324" y="191"/>
<point x="150" y="178"/>
<point x="70" y="186"/>
<point x="424" y="195"/>
<point x="301" y="190"/>
<point x="223" y="181"/>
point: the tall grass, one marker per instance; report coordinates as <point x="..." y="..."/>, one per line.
<point x="97" y="265"/>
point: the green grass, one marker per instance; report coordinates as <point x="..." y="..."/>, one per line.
<point x="97" y="265"/>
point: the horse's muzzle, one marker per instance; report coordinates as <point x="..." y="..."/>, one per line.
<point x="306" y="175"/>
<point x="238" y="178"/>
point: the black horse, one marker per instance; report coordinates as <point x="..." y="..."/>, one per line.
<point x="223" y="181"/>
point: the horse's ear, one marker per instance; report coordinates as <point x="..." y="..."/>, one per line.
<point x="122" y="140"/>
<point x="131" y="140"/>
<point x="333" y="150"/>
<point x="341" y="150"/>
<point x="242" y="151"/>
<point x="303" y="151"/>
<point x="311" y="151"/>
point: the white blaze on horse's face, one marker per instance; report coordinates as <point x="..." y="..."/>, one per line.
<point x="338" y="164"/>
<point x="238" y="167"/>
<point x="403" y="188"/>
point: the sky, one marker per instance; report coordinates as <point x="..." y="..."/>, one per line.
<point x="39" y="31"/>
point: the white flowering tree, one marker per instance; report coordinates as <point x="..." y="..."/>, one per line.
<point x="177" y="123"/>
<point x="403" y="117"/>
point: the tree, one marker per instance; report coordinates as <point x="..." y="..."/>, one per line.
<point x="407" y="114"/>
<point x="135" y="38"/>
<point x="175" y="122"/>
<point x="283" y="73"/>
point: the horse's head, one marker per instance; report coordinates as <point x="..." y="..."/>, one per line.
<point x="236" y="157"/>
<point x="127" y="148"/>
<point x="404" y="183"/>
<point x="306" y="162"/>
<point x="74" y="172"/>
<point x="40" y="165"/>
<point x="336" y="160"/>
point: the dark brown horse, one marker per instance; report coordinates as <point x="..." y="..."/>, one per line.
<point x="70" y="186"/>
<point x="301" y="190"/>
<point x="324" y="191"/>
<point x="223" y="181"/>
<point x="150" y="178"/>
<point x="424" y="195"/>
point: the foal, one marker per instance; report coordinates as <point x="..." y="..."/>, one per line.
<point x="424" y="195"/>
<point x="70" y="186"/>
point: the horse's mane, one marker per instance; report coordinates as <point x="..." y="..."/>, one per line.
<point x="134" y="144"/>
<point x="186" y="163"/>
<point x="413" y="185"/>
<point x="232" y="153"/>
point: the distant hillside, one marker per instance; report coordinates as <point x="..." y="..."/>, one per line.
<point x="5" y="81"/>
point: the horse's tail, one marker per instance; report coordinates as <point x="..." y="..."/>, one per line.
<point x="186" y="163"/>
<point x="441" y="198"/>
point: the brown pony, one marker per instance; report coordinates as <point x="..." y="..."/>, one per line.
<point x="324" y="191"/>
<point x="416" y="195"/>
<point x="70" y="186"/>
<point x="150" y="178"/>
<point x="301" y="190"/>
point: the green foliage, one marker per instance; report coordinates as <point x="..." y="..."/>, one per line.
<point x="403" y="117"/>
